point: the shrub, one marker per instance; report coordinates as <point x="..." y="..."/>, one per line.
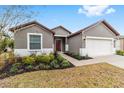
<point x="119" y="52"/>
<point x="47" y="67"/>
<point x="77" y="56"/>
<point x="38" y="58"/>
<point x="28" y="60"/>
<point x="65" y="64"/>
<point x="13" y="70"/>
<point x="60" y="58"/>
<point x="3" y="75"/>
<point x="41" y="66"/>
<point x="33" y="55"/>
<point x="29" y="68"/>
<point x="51" y="55"/>
<point x="18" y="65"/>
<point x="15" y="67"/>
<point x="45" y="59"/>
<point x="20" y="70"/>
<point x="55" y="64"/>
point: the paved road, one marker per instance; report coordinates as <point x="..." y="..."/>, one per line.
<point x="115" y="60"/>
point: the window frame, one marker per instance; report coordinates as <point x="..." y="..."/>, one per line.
<point x="28" y="41"/>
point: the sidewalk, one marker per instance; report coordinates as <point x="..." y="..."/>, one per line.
<point x="114" y="60"/>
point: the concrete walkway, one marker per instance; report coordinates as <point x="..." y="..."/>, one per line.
<point x="115" y="60"/>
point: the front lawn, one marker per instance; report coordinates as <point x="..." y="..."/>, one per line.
<point x="97" y="75"/>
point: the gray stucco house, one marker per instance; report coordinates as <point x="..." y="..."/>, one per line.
<point x="97" y="39"/>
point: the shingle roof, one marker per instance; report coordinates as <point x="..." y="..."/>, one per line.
<point x="62" y="28"/>
<point x="102" y="21"/>
<point x="27" y="24"/>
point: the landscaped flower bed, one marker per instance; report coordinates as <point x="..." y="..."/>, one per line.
<point x="33" y="63"/>
<point x="77" y="56"/>
<point x="119" y="52"/>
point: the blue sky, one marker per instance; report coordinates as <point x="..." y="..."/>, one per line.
<point x="77" y="17"/>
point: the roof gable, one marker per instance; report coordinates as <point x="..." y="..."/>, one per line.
<point x="61" y="28"/>
<point x="95" y="24"/>
<point x="27" y="24"/>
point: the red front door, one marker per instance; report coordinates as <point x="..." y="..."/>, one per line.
<point x="58" y="45"/>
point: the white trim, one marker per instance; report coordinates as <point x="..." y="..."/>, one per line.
<point x="83" y="51"/>
<point x="61" y="35"/>
<point x="66" y="47"/>
<point x="61" y="43"/>
<point x="92" y="37"/>
<point x="26" y="52"/>
<point x="28" y="40"/>
<point x="99" y="38"/>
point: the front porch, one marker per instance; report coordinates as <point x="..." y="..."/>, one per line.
<point x="60" y="43"/>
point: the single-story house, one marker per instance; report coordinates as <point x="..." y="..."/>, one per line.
<point x="97" y="39"/>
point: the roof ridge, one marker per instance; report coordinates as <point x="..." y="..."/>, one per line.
<point x="98" y="22"/>
<point x="29" y="23"/>
<point x="61" y="27"/>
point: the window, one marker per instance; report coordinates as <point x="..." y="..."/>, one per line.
<point x="34" y="41"/>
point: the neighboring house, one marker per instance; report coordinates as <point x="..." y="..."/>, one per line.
<point x="95" y="40"/>
<point x="121" y="42"/>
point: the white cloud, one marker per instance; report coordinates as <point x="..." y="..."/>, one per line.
<point x="95" y="10"/>
<point x="110" y="10"/>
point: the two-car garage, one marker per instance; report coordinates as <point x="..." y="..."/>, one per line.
<point x="99" y="46"/>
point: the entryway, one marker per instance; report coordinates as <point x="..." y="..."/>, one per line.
<point x="58" y="45"/>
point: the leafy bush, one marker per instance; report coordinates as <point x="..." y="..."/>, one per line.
<point x="39" y="66"/>
<point x="33" y="62"/>
<point x="33" y="55"/>
<point x="38" y="58"/>
<point x="119" y="52"/>
<point x="78" y="56"/>
<point x="3" y="75"/>
<point x="15" y="67"/>
<point x="28" y="60"/>
<point x="55" y="64"/>
<point x="45" y="59"/>
<point x="47" y="67"/>
<point x="51" y="55"/>
<point x="65" y="64"/>
<point x="60" y="58"/>
<point x="29" y="67"/>
<point x="42" y="66"/>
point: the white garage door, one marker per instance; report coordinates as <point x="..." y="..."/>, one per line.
<point x="99" y="47"/>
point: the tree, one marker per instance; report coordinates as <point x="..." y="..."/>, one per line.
<point x="13" y="16"/>
<point x="5" y="43"/>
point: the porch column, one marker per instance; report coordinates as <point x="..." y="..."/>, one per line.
<point x="66" y="44"/>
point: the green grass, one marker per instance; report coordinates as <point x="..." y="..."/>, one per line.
<point x="97" y="75"/>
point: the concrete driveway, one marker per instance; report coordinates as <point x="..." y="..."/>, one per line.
<point x="115" y="60"/>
